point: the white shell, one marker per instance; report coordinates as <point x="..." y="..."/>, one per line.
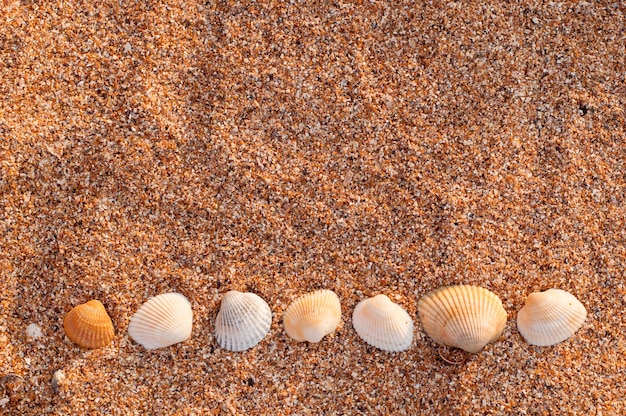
<point x="464" y="316"/>
<point x="313" y="316"/>
<point x="383" y="324"/>
<point x="550" y="317"/>
<point x="162" y="321"/>
<point x="243" y="321"/>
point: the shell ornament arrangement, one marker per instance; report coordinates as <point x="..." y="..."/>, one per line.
<point x="461" y="316"/>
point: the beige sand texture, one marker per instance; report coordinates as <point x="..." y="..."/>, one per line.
<point x="280" y="147"/>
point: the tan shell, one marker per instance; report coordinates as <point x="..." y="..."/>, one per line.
<point x="383" y="324"/>
<point x="89" y="325"/>
<point x="550" y="317"/>
<point x="163" y="320"/>
<point x="313" y="316"/>
<point x="243" y="321"/>
<point x="466" y="317"/>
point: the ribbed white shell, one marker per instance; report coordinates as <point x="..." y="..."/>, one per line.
<point x="243" y="321"/>
<point x="466" y="317"/>
<point x="550" y="317"/>
<point x="383" y="324"/>
<point x="313" y="316"/>
<point x="162" y="321"/>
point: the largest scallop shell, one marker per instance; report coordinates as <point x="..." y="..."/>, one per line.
<point x="313" y="316"/>
<point x="243" y="321"/>
<point x="162" y="321"/>
<point x="89" y="325"/>
<point x="550" y="317"/>
<point x="466" y="317"/>
<point x="383" y="324"/>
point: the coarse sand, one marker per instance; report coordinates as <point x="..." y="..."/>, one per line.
<point x="280" y="147"/>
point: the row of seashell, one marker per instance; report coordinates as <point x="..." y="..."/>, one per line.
<point x="462" y="316"/>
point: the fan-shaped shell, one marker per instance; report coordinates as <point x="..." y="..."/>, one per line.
<point x="89" y="325"/>
<point x="313" y="316"/>
<point x="243" y="321"/>
<point x="550" y="317"/>
<point x="162" y="321"/>
<point x="466" y="317"/>
<point x="383" y="324"/>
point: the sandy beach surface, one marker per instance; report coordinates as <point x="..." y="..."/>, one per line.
<point x="280" y="147"/>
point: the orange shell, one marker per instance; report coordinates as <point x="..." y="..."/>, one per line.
<point x="89" y="325"/>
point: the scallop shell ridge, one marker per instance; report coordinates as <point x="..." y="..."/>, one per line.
<point x="243" y="321"/>
<point x="89" y="325"/>
<point x="383" y="324"/>
<point x="313" y="316"/>
<point x="550" y="317"/>
<point x="462" y="316"/>
<point x="163" y="320"/>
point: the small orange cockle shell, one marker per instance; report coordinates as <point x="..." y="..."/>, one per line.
<point x="89" y="325"/>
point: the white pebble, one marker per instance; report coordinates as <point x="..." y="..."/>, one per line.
<point x="58" y="378"/>
<point x="33" y="331"/>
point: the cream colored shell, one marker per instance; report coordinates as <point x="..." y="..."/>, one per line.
<point x="89" y="325"/>
<point x="313" y="316"/>
<point x="383" y="324"/>
<point x="162" y="321"/>
<point x="243" y="321"/>
<point x="466" y="317"/>
<point x="550" y="317"/>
